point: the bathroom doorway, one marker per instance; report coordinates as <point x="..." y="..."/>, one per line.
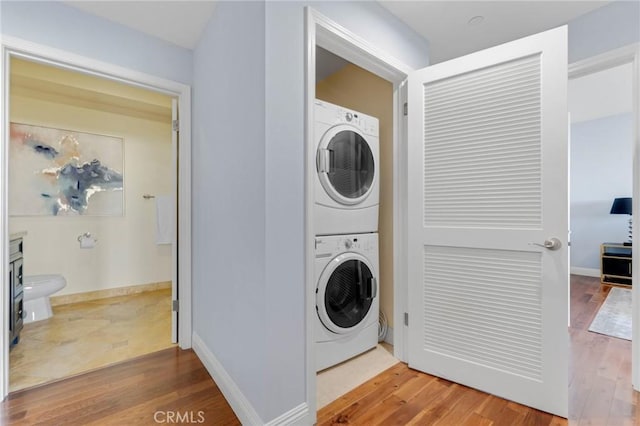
<point x="122" y="269"/>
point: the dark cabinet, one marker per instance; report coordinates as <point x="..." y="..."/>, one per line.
<point x="615" y="264"/>
<point x="16" y="294"/>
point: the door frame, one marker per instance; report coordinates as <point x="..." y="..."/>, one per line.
<point x="629" y="54"/>
<point x="16" y="47"/>
<point x="326" y="33"/>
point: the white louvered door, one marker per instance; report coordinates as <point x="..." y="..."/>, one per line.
<point x="488" y="180"/>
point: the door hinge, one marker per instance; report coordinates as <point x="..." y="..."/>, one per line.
<point x="406" y="109"/>
<point x="406" y="318"/>
<point x="175" y="306"/>
<point x="175" y="125"/>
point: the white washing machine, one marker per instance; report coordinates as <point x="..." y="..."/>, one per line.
<point x="347" y="302"/>
<point x="347" y="188"/>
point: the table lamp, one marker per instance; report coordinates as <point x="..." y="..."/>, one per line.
<point x="623" y="206"/>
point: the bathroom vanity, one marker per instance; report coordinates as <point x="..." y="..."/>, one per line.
<point x="16" y="296"/>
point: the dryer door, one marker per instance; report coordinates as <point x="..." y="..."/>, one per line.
<point x="345" y="165"/>
<point x="346" y="290"/>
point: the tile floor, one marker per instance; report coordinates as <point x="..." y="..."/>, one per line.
<point x="334" y="382"/>
<point x="89" y="335"/>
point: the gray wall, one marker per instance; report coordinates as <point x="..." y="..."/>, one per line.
<point x="64" y="27"/>
<point x="229" y="231"/>
<point x="249" y="305"/>
<point x="614" y="25"/>
<point x="601" y="170"/>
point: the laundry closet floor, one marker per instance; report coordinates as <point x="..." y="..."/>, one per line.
<point x="88" y="335"/>
<point x="340" y="379"/>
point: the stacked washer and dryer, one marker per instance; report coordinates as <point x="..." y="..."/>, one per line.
<point x="347" y="196"/>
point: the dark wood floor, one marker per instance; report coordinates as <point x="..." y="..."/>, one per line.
<point x="159" y="388"/>
<point x="600" y="386"/>
<point x="174" y="383"/>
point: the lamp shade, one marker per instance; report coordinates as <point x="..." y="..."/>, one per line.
<point x="621" y="206"/>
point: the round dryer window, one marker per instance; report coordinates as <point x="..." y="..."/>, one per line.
<point x="345" y="298"/>
<point x="346" y="166"/>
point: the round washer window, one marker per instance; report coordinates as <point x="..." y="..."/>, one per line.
<point x="348" y="293"/>
<point x="352" y="166"/>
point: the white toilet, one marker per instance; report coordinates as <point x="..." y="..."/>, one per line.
<point x="37" y="289"/>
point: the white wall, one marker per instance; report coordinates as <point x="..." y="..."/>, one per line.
<point x="601" y="170"/>
<point x="126" y="253"/>
<point x="601" y="94"/>
<point x="249" y="305"/>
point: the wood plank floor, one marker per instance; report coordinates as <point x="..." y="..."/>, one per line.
<point x="175" y="381"/>
<point x="600" y="391"/>
<point x="599" y="386"/>
<point x="153" y="389"/>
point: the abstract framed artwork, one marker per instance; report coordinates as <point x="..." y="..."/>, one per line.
<point x="54" y="172"/>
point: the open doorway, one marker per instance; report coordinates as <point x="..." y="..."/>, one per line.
<point x="94" y="226"/>
<point x="602" y="147"/>
<point x="181" y="178"/>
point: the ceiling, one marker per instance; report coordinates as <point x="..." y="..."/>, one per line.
<point x="446" y="23"/>
<point x="327" y="63"/>
<point x="601" y="94"/>
<point x="178" y="22"/>
<point x="443" y="23"/>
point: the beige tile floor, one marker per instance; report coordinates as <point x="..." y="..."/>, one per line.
<point x="89" y="335"/>
<point x="334" y="382"/>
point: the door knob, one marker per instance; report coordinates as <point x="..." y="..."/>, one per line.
<point x="551" y="244"/>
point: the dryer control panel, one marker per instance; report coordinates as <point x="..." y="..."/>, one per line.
<point x="334" y="114"/>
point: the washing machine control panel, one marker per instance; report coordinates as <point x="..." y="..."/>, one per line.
<point x="338" y="244"/>
<point x="335" y="244"/>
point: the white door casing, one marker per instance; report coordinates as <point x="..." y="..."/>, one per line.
<point x="488" y="179"/>
<point x="175" y="147"/>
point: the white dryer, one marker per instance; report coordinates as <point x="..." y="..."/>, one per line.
<point x="347" y="187"/>
<point x="347" y="303"/>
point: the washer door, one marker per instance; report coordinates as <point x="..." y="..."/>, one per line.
<point x="345" y="292"/>
<point x="345" y="165"/>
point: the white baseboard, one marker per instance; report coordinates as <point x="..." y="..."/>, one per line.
<point x="232" y="393"/>
<point x="236" y="399"/>
<point x="389" y="337"/>
<point x="296" y="416"/>
<point x="587" y="272"/>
